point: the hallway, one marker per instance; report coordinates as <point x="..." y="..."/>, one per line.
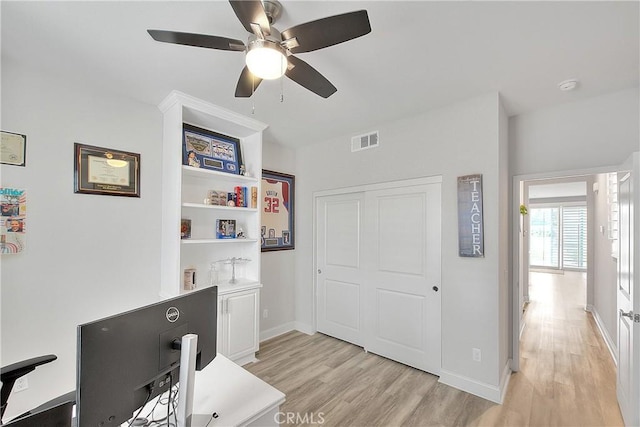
<point x="567" y="374"/>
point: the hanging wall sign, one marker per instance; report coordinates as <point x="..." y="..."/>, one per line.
<point x="470" y="222"/>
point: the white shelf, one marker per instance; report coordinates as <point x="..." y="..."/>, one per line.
<point x="211" y="174"/>
<point x="216" y="241"/>
<point x="218" y="207"/>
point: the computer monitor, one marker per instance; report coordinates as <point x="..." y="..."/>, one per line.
<point x="126" y="360"/>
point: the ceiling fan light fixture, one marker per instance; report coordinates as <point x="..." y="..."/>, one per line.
<point x="266" y="59"/>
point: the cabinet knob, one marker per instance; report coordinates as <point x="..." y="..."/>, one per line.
<point x="435" y="288"/>
<point x="319" y="271"/>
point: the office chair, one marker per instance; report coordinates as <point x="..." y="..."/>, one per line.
<point x="55" y="413"/>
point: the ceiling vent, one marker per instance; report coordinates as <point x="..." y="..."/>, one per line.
<point x="362" y="142"/>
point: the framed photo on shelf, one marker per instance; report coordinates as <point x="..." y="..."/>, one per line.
<point x="99" y="170"/>
<point x="277" y="198"/>
<point x="202" y="148"/>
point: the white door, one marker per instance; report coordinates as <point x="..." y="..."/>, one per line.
<point x="339" y="264"/>
<point x="628" y="330"/>
<point x="402" y="237"/>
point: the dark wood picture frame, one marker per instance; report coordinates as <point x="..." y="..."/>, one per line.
<point x="277" y="198"/>
<point x="99" y="170"/>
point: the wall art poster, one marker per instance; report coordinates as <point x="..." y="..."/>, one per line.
<point x="470" y="220"/>
<point x="13" y="220"/>
<point x="277" y="197"/>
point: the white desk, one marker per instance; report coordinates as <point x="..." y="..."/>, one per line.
<point x="237" y="396"/>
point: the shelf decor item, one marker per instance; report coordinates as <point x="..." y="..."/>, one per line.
<point x="226" y="228"/>
<point x="277" y="198"/>
<point x="202" y="148"/>
<point x="104" y="171"/>
<point x="185" y="229"/>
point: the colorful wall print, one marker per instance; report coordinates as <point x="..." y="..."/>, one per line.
<point x="13" y="220"/>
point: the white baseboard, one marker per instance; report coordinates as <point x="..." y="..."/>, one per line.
<point x="504" y="380"/>
<point x="277" y="331"/>
<point x="611" y="344"/>
<point x="486" y="391"/>
<point x="284" y="328"/>
<point x="304" y="328"/>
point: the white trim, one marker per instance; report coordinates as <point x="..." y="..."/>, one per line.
<point x="611" y="344"/>
<point x="486" y="391"/>
<point x="277" y="331"/>
<point x="402" y="183"/>
<point x="188" y="101"/>
<point x="504" y="380"/>
<point x="522" y="326"/>
<point x="304" y="328"/>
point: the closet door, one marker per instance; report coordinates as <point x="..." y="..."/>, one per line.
<point x="402" y="299"/>
<point x="339" y="266"/>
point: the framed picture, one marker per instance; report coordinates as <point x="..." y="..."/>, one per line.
<point x="13" y="149"/>
<point x="277" y="198"/>
<point x="104" y="171"/>
<point x="202" y="148"/>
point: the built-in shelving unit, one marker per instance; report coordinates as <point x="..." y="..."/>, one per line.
<point x="185" y="189"/>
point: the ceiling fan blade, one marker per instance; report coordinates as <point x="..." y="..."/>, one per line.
<point x="251" y="11"/>
<point x="307" y="76"/>
<point x="247" y="84"/>
<point x="198" y="40"/>
<point x="328" y="31"/>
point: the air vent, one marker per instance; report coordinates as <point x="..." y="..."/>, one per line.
<point x="362" y="142"/>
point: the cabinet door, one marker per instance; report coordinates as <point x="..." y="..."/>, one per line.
<point x="241" y="324"/>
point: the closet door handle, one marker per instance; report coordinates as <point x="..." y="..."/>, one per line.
<point x="435" y="288"/>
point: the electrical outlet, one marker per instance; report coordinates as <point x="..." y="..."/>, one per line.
<point x="21" y="384"/>
<point x="265" y="313"/>
<point x="476" y="354"/>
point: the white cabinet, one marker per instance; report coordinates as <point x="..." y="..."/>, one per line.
<point x="184" y="189"/>
<point x="238" y="322"/>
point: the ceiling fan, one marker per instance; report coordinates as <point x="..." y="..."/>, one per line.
<point x="269" y="53"/>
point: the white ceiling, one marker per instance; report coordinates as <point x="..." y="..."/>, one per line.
<point x="419" y="55"/>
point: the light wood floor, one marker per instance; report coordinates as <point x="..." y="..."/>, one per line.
<point x="567" y="377"/>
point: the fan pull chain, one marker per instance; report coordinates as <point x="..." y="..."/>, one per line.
<point x="281" y="84"/>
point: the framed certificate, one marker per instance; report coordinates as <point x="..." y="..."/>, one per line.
<point x="13" y="149"/>
<point x="104" y="171"/>
<point x="202" y="148"/>
<point x="277" y="197"/>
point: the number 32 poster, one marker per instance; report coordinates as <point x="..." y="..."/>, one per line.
<point x="277" y="194"/>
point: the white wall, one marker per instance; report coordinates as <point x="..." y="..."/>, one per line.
<point x="458" y="140"/>
<point x="87" y="256"/>
<point x="278" y="267"/>
<point x="596" y="132"/>
<point x="605" y="266"/>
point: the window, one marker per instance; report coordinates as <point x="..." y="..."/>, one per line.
<point x="612" y="199"/>
<point x="558" y="237"/>
<point x="544" y="240"/>
<point x="574" y="237"/>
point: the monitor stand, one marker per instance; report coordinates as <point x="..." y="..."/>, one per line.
<point x="188" y="353"/>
